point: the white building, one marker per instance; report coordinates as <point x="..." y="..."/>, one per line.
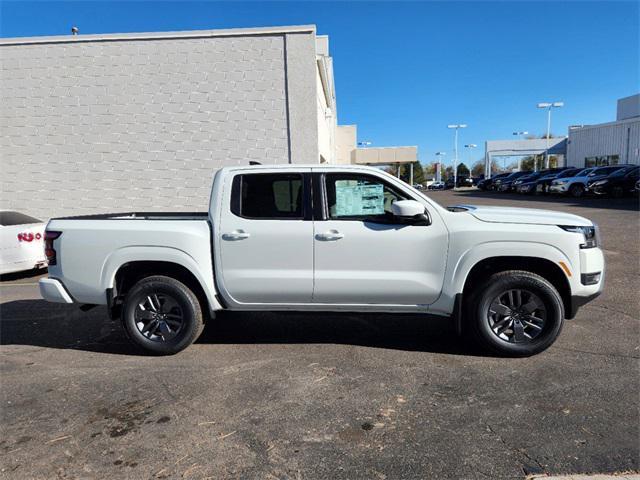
<point x="122" y="122"/>
<point x="608" y="143"/>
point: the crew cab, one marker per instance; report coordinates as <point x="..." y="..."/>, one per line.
<point x="328" y="238"/>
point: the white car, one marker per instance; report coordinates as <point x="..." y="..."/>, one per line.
<point x="329" y="238"/>
<point x="21" y="242"/>
<point x="575" y="185"/>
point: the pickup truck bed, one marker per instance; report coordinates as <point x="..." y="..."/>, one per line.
<point x="110" y="241"/>
<point x="141" y="216"/>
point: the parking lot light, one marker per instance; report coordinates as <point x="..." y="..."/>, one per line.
<point x="549" y="106"/>
<point x="456" y="127"/>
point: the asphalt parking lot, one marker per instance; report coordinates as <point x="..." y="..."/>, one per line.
<point x="292" y="396"/>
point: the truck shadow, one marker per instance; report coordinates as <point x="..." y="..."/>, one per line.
<point x="42" y="324"/>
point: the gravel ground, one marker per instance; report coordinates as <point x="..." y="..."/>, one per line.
<point x="325" y="395"/>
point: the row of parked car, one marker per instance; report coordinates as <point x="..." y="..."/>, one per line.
<point x="615" y="181"/>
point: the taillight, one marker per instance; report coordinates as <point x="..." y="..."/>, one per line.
<point x="49" y="251"/>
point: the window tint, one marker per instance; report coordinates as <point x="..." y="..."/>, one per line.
<point x="569" y="173"/>
<point x="619" y="173"/>
<point x="359" y="197"/>
<point x="16" y="218"/>
<point x="604" y="171"/>
<point x="268" y="196"/>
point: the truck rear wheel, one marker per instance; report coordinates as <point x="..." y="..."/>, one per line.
<point x="162" y="315"/>
<point x="515" y="314"/>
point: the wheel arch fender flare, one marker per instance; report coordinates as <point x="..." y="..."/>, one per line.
<point x="122" y="256"/>
<point x="497" y="249"/>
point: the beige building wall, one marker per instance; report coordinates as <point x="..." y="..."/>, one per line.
<point x="384" y="155"/>
<point x="346" y="139"/>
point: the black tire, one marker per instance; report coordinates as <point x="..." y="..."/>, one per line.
<point x="163" y="291"/>
<point x="479" y="317"/>
<point x="576" y="190"/>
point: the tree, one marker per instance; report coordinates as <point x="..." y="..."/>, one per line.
<point x="429" y="170"/>
<point x="463" y="170"/>
<point x="418" y="172"/>
<point x="448" y="173"/>
<point x="477" y="169"/>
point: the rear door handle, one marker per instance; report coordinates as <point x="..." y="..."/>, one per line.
<point x="236" y="235"/>
<point x="329" y="236"/>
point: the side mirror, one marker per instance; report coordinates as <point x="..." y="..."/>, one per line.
<point x="410" y="212"/>
<point x="407" y="208"/>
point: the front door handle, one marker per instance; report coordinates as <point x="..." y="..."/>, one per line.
<point x="329" y="236"/>
<point x="236" y="235"/>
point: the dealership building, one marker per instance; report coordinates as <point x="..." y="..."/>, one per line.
<point x="608" y="143"/>
<point x="122" y="122"/>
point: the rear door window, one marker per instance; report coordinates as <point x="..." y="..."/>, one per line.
<point x="264" y="196"/>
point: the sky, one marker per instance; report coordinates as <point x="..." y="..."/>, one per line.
<point x="405" y="70"/>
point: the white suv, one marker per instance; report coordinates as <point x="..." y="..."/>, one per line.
<point x="576" y="186"/>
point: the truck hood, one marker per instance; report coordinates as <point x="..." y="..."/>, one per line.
<point x="522" y="215"/>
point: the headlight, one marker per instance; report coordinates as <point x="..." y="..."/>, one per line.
<point x="560" y="182"/>
<point x="591" y="235"/>
<point x="600" y="182"/>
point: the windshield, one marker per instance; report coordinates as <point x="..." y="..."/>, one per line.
<point x="604" y="171"/>
<point x="584" y="173"/>
<point x="517" y="175"/>
<point x="568" y="173"/>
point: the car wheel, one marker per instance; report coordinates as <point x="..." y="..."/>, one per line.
<point x="515" y="314"/>
<point x="617" y="192"/>
<point x="162" y="315"/>
<point x="576" y="190"/>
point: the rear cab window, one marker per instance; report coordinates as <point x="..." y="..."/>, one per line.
<point x="10" y="218"/>
<point x="268" y="196"/>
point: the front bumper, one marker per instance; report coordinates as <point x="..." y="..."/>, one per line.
<point x="591" y="261"/>
<point x="52" y="290"/>
<point x="562" y="188"/>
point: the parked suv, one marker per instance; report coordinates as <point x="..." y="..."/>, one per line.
<point x="527" y="183"/>
<point x="488" y="183"/>
<point x="543" y="183"/>
<point x="576" y="186"/>
<point x="506" y="184"/>
<point x="618" y="184"/>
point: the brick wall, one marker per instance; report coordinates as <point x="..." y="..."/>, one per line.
<point x="137" y="124"/>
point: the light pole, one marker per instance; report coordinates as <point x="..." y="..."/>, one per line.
<point x="456" y="127"/>
<point x="470" y="146"/>
<point x="439" y="167"/>
<point x="549" y="106"/>
<point x="364" y="144"/>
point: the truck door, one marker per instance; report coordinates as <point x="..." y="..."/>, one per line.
<point x="266" y="238"/>
<point x="363" y="257"/>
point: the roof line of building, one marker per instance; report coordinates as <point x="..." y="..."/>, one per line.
<point x="575" y="128"/>
<point x="382" y="148"/>
<point x="106" y="37"/>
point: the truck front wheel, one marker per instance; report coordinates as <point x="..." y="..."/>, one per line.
<point x="516" y="314"/>
<point x="162" y="315"/>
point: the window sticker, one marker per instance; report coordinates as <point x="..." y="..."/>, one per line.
<point x="358" y="199"/>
